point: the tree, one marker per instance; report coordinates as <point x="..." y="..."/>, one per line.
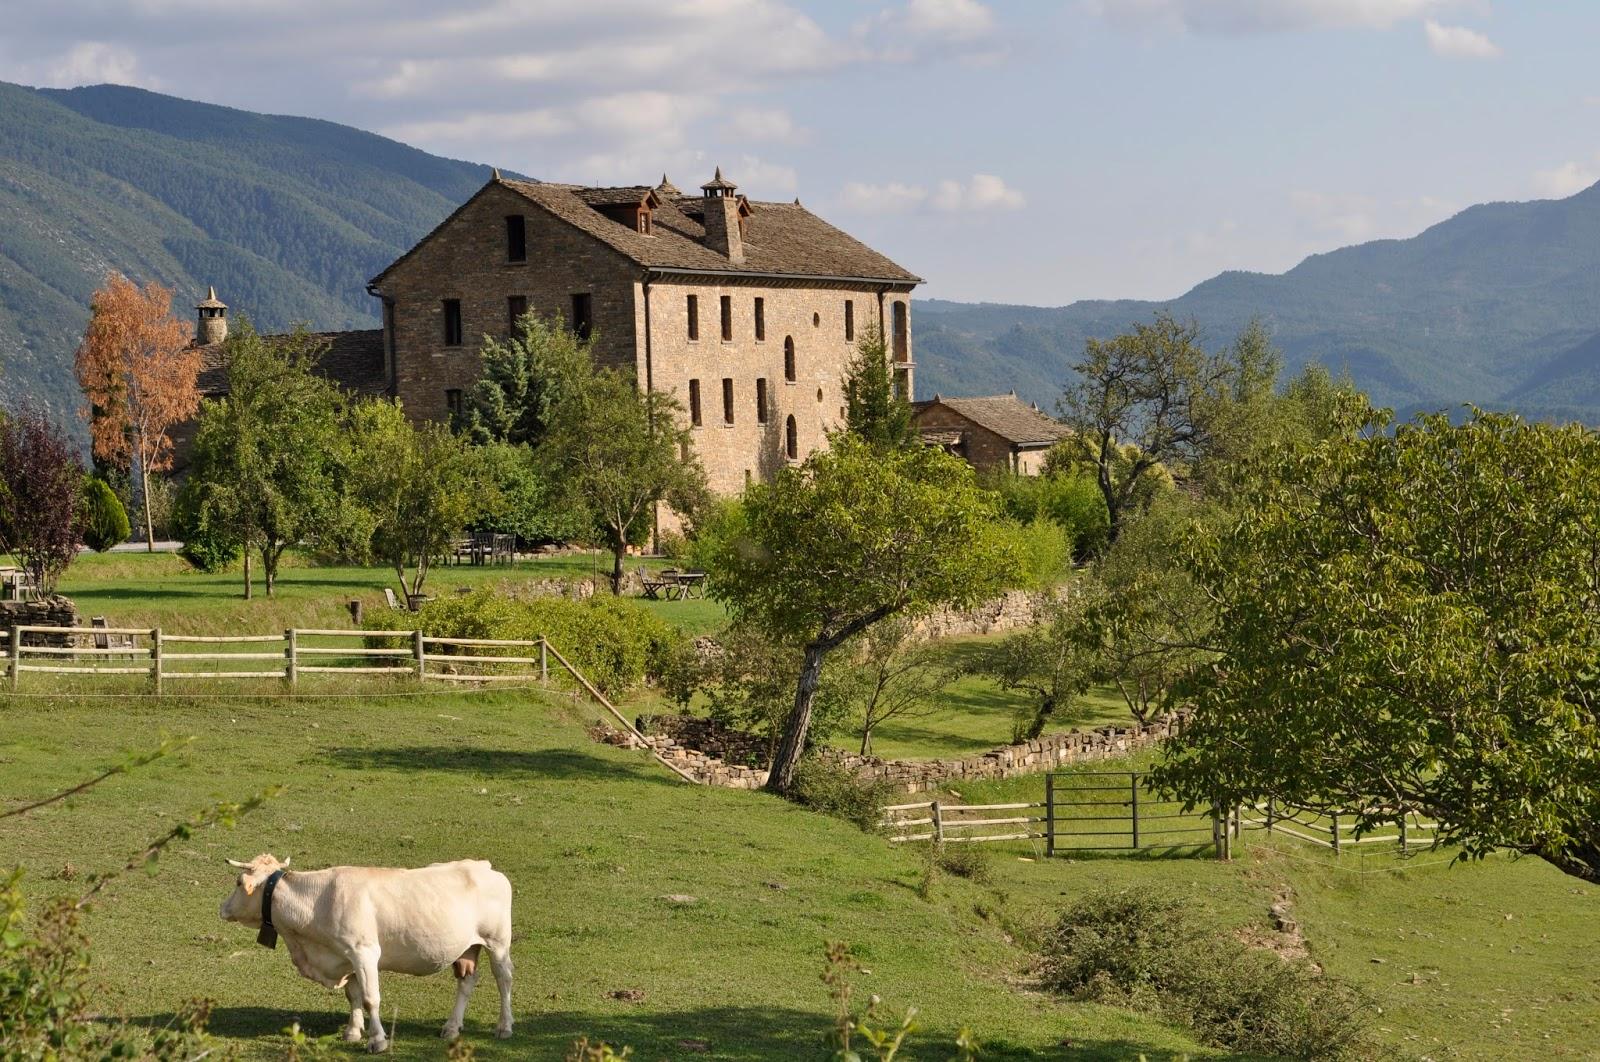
<point x="138" y="369"/>
<point x="103" y="520"/>
<point x="1407" y="623"/>
<point x="524" y="379"/>
<point x="41" y="483"/>
<point x="875" y="410"/>
<point x="418" y="487"/>
<point x="852" y="537"/>
<point x="617" y="454"/>
<point x="269" y="456"/>
<point x="1053" y="661"/>
<point x="524" y="500"/>
<point x="893" y="676"/>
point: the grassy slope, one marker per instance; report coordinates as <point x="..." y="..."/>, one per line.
<point x="592" y="837"/>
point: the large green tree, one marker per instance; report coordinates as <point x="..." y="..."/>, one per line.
<point x="1410" y="622"/>
<point x="875" y="409"/>
<point x="851" y="537"/>
<point x="524" y="378"/>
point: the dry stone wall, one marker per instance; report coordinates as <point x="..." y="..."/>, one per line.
<point x="52" y="612"/>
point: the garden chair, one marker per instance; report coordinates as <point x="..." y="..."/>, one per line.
<point x="393" y="601"/>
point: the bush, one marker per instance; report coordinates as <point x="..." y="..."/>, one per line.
<point x="615" y="642"/>
<point x="205" y="545"/>
<point x="825" y="786"/>
<point x="1069" y="499"/>
<point x="1155" y="951"/>
<point x="968" y="861"/>
<point x="1046" y="551"/>
<point x="105" y="521"/>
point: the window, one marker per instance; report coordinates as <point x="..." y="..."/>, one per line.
<point x="727" y="400"/>
<point x="727" y="318"/>
<point x="452" y="402"/>
<point x="761" y="400"/>
<point x="582" y="315"/>
<point x="694" y="402"/>
<point x="693" y="304"/>
<point x="516" y="306"/>
<point x="452" y="322"/>
<point x="850" y="319"/>
<point x="644" y="222"/>
<point x="761" y="319"/>
<point x="791" y="439"/>
<point x="788" y="358"/>
<point x="902" y="385"/>
<point x="900" y="337"/>
<point x="516" y="238"/>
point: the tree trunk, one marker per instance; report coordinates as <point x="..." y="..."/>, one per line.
<point x="781" y="778"/>
<point x="616" y="570"/>
<point x="269" y="566"/>
<point x="1047" y="708"/>
<point x="866" y="740"/>
<point x="247" y="571"/>
<point x="149" y="521"/>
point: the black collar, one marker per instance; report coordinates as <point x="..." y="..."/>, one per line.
<point x="268" y="937"/>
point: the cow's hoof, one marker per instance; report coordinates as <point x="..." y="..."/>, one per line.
<point x="449" y="1032"/>
<point x="351" y="1036"/>
<point x="377" y="1047"/>
<point x="503" y="1032"/>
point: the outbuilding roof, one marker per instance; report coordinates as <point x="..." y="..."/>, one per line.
<point x="1005" y="415"/>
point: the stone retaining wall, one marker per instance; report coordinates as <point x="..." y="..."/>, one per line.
<point x="51" y="612"/>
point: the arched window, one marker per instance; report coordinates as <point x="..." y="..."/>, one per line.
<point x="791" y="439"/>
<point x="788" y="358"/>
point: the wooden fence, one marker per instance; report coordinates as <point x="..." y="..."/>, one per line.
<point x="958" y="823"/>
<point x="1336" y="830"/>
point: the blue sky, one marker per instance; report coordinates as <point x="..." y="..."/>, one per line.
<point x="1006" y="151"/>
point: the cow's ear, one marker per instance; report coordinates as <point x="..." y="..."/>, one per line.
<point x="249" y="886"/>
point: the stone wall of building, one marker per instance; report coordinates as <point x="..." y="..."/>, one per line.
<point x="982" y="448"/>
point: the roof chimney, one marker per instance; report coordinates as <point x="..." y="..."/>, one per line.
<point x="212" y="326"/>
<point x="722" y="207"/>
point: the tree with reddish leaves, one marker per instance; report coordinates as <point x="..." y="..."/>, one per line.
<point x="41" y="480"/>
<point x="138" y="369"/>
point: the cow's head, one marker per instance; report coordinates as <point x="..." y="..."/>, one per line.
<point x="245" y="903"/>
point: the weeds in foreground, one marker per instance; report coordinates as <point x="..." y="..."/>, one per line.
<point x="885" y="1040"/>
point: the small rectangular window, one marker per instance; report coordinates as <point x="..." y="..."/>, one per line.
<point x="452" y="322"/>
<point x="694" y="400"/>
<point x="761" y="400"/>
<point x="644" y="222"/>
<point x="761" y="318"/>
<point x="901" y="339"/>
<point x="902" y="385"/>
<point x="693" y="303"/>
<point x="516" y="306"/>
<point x="727" y="318"/>
<point x="850" y="320"/>
<point x="516" y="238"/>
<point x="452" y="402"/>
<point x="582" y="315"/>
<point x="727" y="400"/>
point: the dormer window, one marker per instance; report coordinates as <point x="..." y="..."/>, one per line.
<point x="644" y="222"/>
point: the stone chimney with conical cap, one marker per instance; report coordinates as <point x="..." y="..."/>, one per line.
<point x="212" y="327"/>
<point x="721" y="205"/>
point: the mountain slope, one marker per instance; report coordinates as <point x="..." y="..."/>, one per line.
<point x="1499" y="305"/>
<point x="288" y="217"/>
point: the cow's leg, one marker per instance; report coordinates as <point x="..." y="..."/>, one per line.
<point x="466" y="971"/>
<point x="500" y="959"/>
<point x="366" y="964"/>
<point x="352" y="992"/>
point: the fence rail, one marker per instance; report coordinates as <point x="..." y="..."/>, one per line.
<point x="1336" y="830"/>
<point x="941" y="819"/>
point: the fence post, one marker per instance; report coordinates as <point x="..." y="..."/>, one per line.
<point x="1402" y="830"/>
<point x="1238" y="815"/>
<point x="938" y="824"/>
<point x="1133" y="790"/>
<point x="1333" y="830"/>
<point x="16" y="657"/>
<point x="291" y="656"/>
<point x="544" y="661"/>
<point x="155" y="657"/>
<point x="1217" y="832"/>
<point x="1050" y="813"/>
<point x="416" y="650"/>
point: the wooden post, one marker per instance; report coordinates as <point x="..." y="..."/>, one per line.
<point x="155" y="657"/>
<point x="938" y="824"/>
<point x="416" y="650"/>
<point x="1402" y="831"/>
<point x="544" y="661"/>
<point x="1238" y="814"/>
<point x="1133" y="791"/>
<point x="1333" y="830"/>
<point x="291" y="656"/>
<point x="16" y="657"/>
<point x="1050" y="813"/>
<point x="1217" y="831"/>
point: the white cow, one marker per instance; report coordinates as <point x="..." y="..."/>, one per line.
<point x="344" y="924"/>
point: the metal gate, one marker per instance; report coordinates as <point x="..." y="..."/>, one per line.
<point x="1097" y="811"/>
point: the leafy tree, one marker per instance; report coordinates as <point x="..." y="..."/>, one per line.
<point x="875" y="410"/>
<point x="138" y="370"/>
<point x="418" y="487"/>
<point x="617" y="454"/>
<point x="103" y="520"/>
<point x="41" y="482"/>
<point x="524" y="379"/>
<point x="525" y="502"/>
<point x="851" y="537"/>
<point x="1407" y="622"/>
<point x="1053" y="662"/>
<point x="894" y="675"/>
<point x="268" y="456"/>
<point x="1065" y="495"/>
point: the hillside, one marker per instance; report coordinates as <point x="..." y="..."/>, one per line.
<point x="288" y="217"/>
<point x="1499" y="305"/>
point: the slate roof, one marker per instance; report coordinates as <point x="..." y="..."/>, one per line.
<point x="784" y="239"/>
<point x="353" y="360"/>
<point x="1005" y="415"/>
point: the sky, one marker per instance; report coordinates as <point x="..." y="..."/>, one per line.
<point x="1024" y="152"/>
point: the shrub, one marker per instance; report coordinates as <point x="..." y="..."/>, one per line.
<point x="968" y="861"/>
<point x="206" y="543"/>
<point x="105" y="521"/>
<point x="615" y="642"/>
<point x="825" y="786"/>
<point x="1154" y="951"/>
<point x="671" y="544"/>
<point x="1069" y="498"/>
<point x="1046" y="551"/>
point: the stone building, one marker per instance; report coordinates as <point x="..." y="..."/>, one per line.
<point x="1000" y="431"/>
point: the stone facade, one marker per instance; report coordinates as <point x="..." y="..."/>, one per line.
<point x="999" y="432"/>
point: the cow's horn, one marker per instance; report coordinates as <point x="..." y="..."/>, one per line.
<point x="286" y="860"/>
<point x="236" y="863"/>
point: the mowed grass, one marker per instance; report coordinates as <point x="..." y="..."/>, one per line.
<point x="595" y="840"/>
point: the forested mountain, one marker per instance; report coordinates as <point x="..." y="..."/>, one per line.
<point x="1499" y="305"/>
<point x="288" y="217"/>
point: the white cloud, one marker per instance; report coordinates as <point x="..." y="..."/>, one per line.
<point x="1458" y="42"/>
<point x="90" y="63"/>
<point x="1265" y="16"/>
<point x="983" y="192"/>
<point x="1353" y="217"/>
<point x="920" y="29"/>
<point x="959" y="20"/>
<point x="1569" y="178"/>
<point x="766" y="124"/>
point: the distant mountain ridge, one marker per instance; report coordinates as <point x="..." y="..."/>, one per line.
<point x="1498" y="305"/>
